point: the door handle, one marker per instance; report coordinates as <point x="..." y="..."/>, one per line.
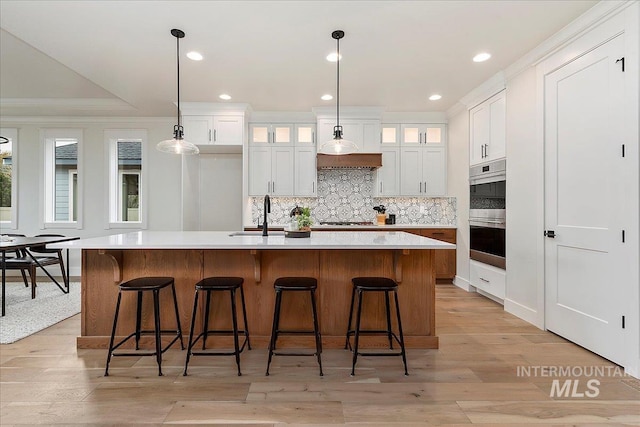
<point x="209" y="135"/>
<point x="550" y="233"/>
<point x="484" y="280"/>
<point x="273" y="186"/>
<point x="214" y="135"/>
<point x="421" y="187"/>
<point x="313" y="188"/>
<point x="313" y="138"/>
<point x="486" y="150"/>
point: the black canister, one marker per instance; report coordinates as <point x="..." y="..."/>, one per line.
<point x="392" y="218"/>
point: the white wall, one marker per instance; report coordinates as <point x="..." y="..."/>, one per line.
<point x="458" y="187"/>
<point x="524" y="240"/>
<point x="164" y="174"/>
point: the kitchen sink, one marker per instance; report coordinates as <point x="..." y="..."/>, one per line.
<point x="255" y="233"/>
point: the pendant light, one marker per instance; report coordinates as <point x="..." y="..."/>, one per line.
<point x="178" y="145"/>
<point x="338" y="145"/>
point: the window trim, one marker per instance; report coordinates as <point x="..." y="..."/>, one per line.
<point x="47" y="138"/>
<point x="12" y="134"/>
<point x="111" y="203"/>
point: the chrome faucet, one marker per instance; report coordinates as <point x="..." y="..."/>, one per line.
<point x="267" y="209"/>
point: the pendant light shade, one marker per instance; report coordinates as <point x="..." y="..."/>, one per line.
<point x="338" y="145"/>
<point x="178" y="145"/>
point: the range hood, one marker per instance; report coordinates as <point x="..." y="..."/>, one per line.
<point x="349" y="161"/>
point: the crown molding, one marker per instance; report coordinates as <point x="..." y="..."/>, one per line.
<point x="455" y="109"/>
<point x="8" y="120"/>
<point x="349" y="112"/>
<point x="94" y="104"/>
<point x="485" y="91"/>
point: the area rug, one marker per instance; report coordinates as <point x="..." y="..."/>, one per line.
<point x="26" y="316"/>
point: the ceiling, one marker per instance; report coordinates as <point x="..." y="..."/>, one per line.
<point x="118" y="58"/>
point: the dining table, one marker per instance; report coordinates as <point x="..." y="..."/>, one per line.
<point x="12" y="244"/>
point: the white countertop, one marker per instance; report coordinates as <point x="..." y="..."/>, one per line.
<point x="276" y="240"/>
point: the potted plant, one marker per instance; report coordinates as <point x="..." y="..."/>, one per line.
<point x="304" y="219"/>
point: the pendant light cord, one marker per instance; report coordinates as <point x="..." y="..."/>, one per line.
<point x="178" y="67"/>
<point x="338" y="83"/>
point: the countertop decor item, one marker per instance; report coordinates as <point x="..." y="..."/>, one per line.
<point x="178" y="145"/>
<point x="338" y="145"/>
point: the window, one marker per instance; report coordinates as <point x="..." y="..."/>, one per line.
<point x="8" y="180"/>
<point x="126" y="195"/>
<point x="62" y="178"/>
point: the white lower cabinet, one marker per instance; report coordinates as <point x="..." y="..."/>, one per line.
<point x="271" y="171"/>
<point x="488" y="278"/>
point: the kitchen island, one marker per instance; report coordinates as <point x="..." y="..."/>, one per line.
<point x="331" y="257"/>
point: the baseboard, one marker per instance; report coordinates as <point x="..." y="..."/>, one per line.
<point x="463" y="284"/>
<point x="523" y="312"/>
<point x="491" y="297"/>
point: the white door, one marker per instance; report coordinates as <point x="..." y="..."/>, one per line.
<point x="585" y="283"/>
<point x="411" y="171"/>
<point x="227" y="130"/>
<point x="305" y="171"/>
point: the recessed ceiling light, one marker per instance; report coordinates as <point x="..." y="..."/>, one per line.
<point x="435" y="97"/>
<point x="481" y="57"/>
<point x="333" y="57"/>
<point x="326" y="97"/>
<point x="195" y="56"/>
<point x="225" y="97"/>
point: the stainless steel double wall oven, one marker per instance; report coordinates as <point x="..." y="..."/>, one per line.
<point x="487" y="214"/>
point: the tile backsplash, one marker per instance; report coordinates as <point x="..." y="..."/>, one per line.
<point x="347" y="195"/>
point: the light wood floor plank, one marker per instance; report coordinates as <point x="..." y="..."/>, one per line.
<point x="473" y="377"/>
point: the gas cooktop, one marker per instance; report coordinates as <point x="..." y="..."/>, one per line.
<point x="346" y="223"/>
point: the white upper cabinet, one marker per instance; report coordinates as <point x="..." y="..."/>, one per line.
<point x="305" y="135"/>
<point x="214" y="129"/>
<point x="388" y="176"/>
<point x="389" y="135"/>
<point x="305" y="176"/>
<point x="423" y="134"/>
<point x="272" y="134"/>
<point x="270" y="170"/>
<point x="198" y="129"/>
<point x="487" y="128"/>
<point x="422" y="171"/>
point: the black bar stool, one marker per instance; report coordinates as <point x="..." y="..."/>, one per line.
<point x="211" y="284"/>
<point x="140" y="285"/>
<point x="375" y="284"/>
<point x="282" y="284"/>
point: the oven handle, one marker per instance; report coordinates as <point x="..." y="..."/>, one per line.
<point x="488" y="223"/>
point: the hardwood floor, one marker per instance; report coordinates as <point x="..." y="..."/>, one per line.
<point x="477" y="376"/>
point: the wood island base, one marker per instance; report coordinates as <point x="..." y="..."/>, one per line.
<point x="103" y="270"/>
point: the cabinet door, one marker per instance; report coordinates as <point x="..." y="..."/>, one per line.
<point x="228" y="130"/>
<point x="411" y="171"/>
<point x="434" y="134"/>
<point x="259" y="171"/>
<point x="259" y="134"/>
<point x="305" y="172"/>
<point x="388" y="176"/>
<point x="197" y="129"/>
<point x="411" y="135"/>
<point x="434" y="174"/>
<point x="390" y="135"/>
<point x="370" y="137"/>
<point x="479" y="122"/>
<point x="282" y="134"/>
<point x="497" y="128"/>
<point x="305" y="135"/>
<point x="353" y="130"/>
<point x="325" y="132"/>
<point x="282" y="171"/>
